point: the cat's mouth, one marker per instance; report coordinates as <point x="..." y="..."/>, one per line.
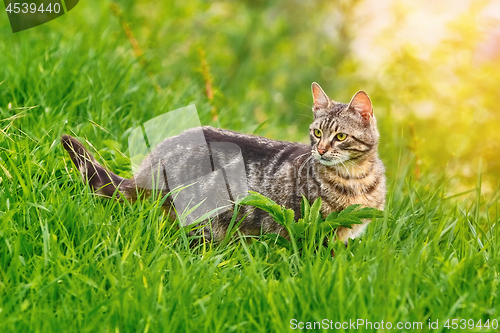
<point x="327" y="161"/>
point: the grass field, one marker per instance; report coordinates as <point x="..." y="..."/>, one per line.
<point x="70" y="261"/>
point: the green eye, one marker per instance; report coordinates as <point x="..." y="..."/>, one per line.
<point x="341" y="136"/>
<point x="317" y="133"/>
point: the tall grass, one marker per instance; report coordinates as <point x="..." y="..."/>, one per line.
<point x="71" y="261"/>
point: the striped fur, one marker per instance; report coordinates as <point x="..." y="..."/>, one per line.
<point x="347" y="172"/>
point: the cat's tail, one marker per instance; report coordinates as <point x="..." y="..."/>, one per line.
<point x="101" y="180"/>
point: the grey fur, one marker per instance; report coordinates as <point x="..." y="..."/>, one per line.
<point x="349" y="172"/>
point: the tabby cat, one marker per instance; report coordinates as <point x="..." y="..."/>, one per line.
<point x="341" y="166"/>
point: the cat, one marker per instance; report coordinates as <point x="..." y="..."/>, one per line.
<point x="340" y="166"/>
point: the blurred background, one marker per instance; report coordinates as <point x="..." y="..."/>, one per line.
<point x="430" y="67"/>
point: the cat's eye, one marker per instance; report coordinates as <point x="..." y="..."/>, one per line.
<point x="341" y="136"/>
<point x="317" y="133"/>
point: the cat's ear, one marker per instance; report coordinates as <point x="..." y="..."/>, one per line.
<point x="362" y="104"/>
<point x="321" y="100"/>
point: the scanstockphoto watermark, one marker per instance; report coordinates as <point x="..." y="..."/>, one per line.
<point x="357" y="324"/>
<point x="451" y="324"/>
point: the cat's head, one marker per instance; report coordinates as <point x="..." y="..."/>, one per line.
<point x="342" y="132"/>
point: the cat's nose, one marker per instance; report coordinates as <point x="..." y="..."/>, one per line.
<point x="321" y="151"/>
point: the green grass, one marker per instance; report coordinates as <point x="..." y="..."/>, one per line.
<point x="70" y="261"/>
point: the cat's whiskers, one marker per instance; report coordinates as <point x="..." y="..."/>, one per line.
<point x="346" y="169"/>
<point x="357" y="168"/>
<point x="303" y="163"/>
<point x="354" y="168"/>
<point x="306" y="116"/>
<point x="300" y="156"/>
<point x="351" y="164"/>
